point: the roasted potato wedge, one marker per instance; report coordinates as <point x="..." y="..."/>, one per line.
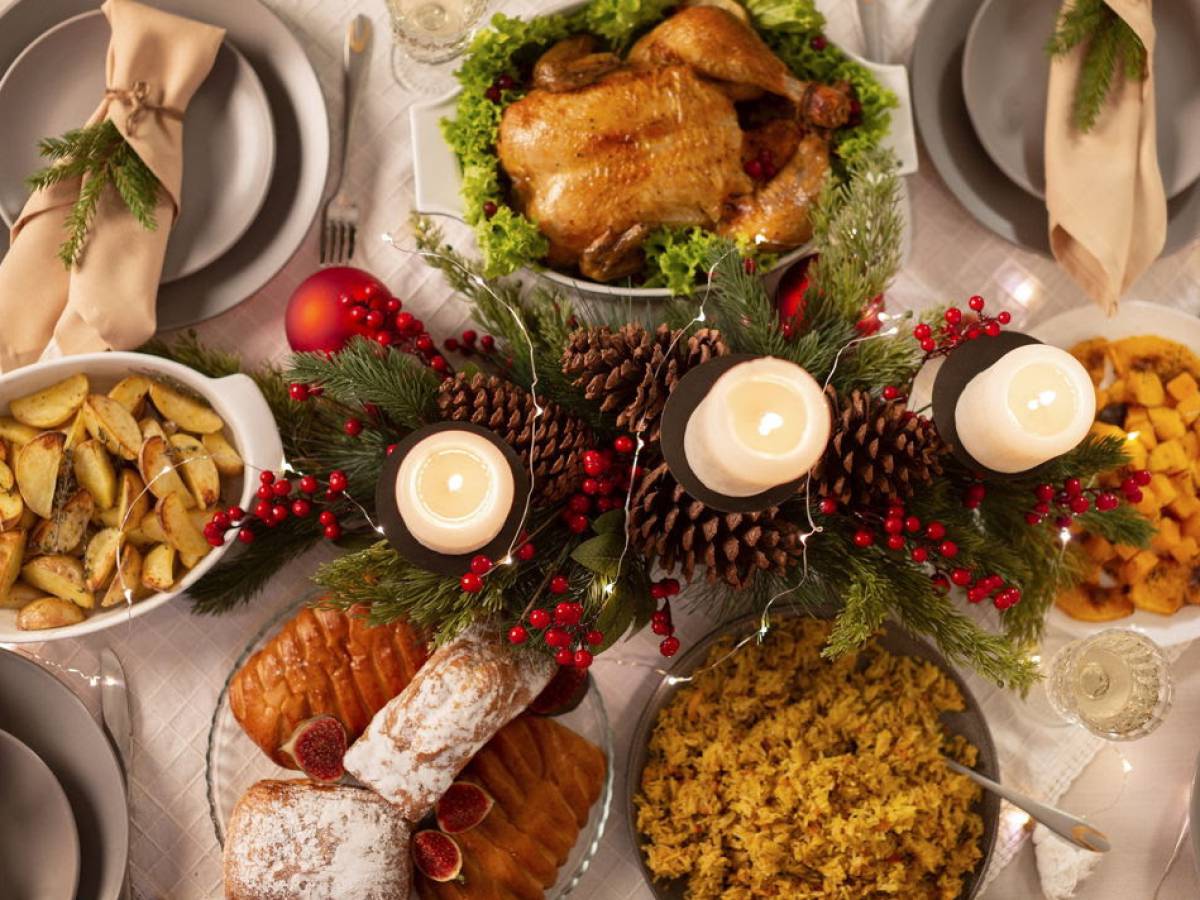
<point x="158" y="471"/>
<point x="149" y="531"/>
<point x="61" y="576"/>
<point x="94" y="471"/>
<point x="190" y="560"/>
<point x="37" y="471"/>
<point x="158" y="568"/>
<point x="111" y="423"/>
<point x="12" y="509"/>
<point x="131" y="393"/>
<point x="181" y="531"/>
<point x="127" y="582"/>
<point x="12" y="553"/>
<point x="189" y="414"/>
<point x="100" y="558"/>
<point x="52" y="406"/>
<point x="77" y="432"/>
<point x="20" y="594"/>
<point x="133" y="500"/>
<point x="12" y="430"/>
<point x="151" y="428"/>
<point x="7" y="478"/>
<point x="63" y="531"/>
<point x="199" y="470"/>
<point x="48" y="612"/>
<point x="227" y="460"/>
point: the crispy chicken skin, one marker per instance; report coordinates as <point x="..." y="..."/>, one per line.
<point x="601" y="152"/>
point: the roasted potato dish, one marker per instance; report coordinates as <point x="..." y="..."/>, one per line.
<point x="104" y="495"/>
<point x="1148" y="395"/>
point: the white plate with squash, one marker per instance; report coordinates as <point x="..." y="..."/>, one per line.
<point x="1148" y="359"/>
<point x="110" y="466"/>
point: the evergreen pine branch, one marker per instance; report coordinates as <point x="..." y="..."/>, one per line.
<point x="136" y="185"/>
<point x="79" y="219"/>
<point x="1096" y="76"/>
<point x="241" y="576"/>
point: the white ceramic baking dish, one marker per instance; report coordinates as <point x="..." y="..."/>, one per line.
<point x="249" y="425"/>
<point x="437" y="181"/>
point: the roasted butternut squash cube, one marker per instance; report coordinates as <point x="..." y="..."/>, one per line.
<point x="1162" y="590"/>
<point x="1138" y="455"/>
<point x="1139" y="566"/>
<point x="1189" y="408"/>
<point x="1118" y="391"/>
<point x="1099" y="548"/>
<point x="1186" y="550"/>
<point x="1149" y="506"/>
<point x="1169" y="456"/>
<point x="1146" y="388"/>
<point x="1168" y="424"/>
<point x="1183" y="386"/>
<point x="1090" y="604"/>
<point x="1184" y="506"/>
<point x="1163" y="487"/>
<point x="1166" y="537"/>
<point x="1191" y="444"/>
<point x="1126" y="551"/>
<point x="1191" y="528"/>
<point x="1103" y="430"/>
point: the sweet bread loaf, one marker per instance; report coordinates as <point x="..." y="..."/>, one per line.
<point x="295" y="840"/>
<point x="323" y="661"/>
<point x="544" y="779"/>
<point x="470" y="688"/>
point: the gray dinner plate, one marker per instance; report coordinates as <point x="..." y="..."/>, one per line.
<point x="970" y="723"/>
<point x="1006" y="68"/>
<point x="46" y="716"/>
<point x="959" y="157"/>
<point x="301" y="139"/>
<point x="39" y="844"/>
<point x="228" y="138"/>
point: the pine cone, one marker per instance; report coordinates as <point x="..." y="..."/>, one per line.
<point x="507" y="409"/>
<point x="878" y="451"/>
<point x="668" y="525"/>
<point x="632" y="371"/>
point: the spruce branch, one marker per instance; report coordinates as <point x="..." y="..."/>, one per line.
<point x="241" y="577"/>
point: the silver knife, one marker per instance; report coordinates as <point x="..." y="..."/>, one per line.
<point x="114" y="704"/>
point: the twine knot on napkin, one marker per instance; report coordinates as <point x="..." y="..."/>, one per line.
<point x="137" y="98"/>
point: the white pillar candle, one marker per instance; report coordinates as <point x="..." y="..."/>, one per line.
<point x="763" y="423"/>
<point x="454" y="491"/>
<point x="1033" y="404"/>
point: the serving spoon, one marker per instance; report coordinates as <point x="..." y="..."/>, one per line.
<point x="1066" y="826"/>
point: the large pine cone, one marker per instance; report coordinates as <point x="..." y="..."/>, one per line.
<point x="669" y="525"/>
<point x="878" y="451"/>
<point x="632" y="371"/>
<point x="507" y="409"/>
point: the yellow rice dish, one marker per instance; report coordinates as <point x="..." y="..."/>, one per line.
<point x="781" y="774"/>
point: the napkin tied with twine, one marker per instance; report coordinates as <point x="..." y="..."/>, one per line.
<point x="156" y="61"/>
<point x="1104" y="192"/>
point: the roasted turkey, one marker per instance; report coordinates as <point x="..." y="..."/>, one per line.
<point x="601" y="151"/>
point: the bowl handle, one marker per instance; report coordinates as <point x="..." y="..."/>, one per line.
<point x="261" y="447"/>
<point x="437" y="181"/>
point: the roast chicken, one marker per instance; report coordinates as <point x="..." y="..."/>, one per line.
<point x="602" y="151"/>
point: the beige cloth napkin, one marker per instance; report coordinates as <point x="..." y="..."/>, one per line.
<point x="1104" y="193"/>
<point x="107" y="301"/>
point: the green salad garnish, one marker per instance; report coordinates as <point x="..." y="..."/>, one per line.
<point x="674" y="256"/>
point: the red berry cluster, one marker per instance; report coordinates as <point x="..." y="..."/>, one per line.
<point x="1061" y="505"/>
<point x="562" y="629"/>
<point x="660" y="622"/>
<point x="496" y="88"/>
<point x="278" y="499"/>
<point x="470" y="342"/>
<point x="959" y="327"/>
<point x="607" y="474"/>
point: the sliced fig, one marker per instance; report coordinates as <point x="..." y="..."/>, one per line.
<point x="318" y="748"/>
<point x="565" y="691"/>
<point x="463" y="806"/>
<point x="437" y="856"/>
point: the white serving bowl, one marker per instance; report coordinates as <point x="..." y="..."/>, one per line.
<point x="1134" y="318"/>
<point x="249" y="426"/>
<point x="437" y="180"/>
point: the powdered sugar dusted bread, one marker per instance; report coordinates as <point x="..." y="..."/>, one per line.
<point x="471" y="687"/>
<point x="295" y="840"/>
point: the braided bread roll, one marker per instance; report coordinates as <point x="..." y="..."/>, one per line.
<point x="470" y="688"/>
<point x="323" y="662"/>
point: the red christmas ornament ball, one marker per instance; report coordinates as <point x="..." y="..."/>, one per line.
<point x="316" y="319"/>
<point x="790" y="294"/>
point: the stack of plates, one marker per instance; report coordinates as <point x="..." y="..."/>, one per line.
<point x="256" y="140"/>
<point x="979" y="71"/>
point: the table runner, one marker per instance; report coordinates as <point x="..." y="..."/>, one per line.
<point x="177" y="662"/>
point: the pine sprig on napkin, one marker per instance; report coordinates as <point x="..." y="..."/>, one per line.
<point x="1111" y="45"/>
<point x="100" y="156"/>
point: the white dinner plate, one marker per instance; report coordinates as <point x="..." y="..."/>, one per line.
<point x="1006" y="68"/>
<point x="1133" y="318"/>
<point x="228" y="135"/>
<point x="39" y="843"/>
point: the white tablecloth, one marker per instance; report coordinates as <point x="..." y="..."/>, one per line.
<point x="177" y="662"/>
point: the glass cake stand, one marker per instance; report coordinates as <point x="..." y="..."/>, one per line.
<point x="234" y="762"/>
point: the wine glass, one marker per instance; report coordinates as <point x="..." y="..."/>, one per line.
<point x="1117" y="684"/>
<point x="427" y="34"/>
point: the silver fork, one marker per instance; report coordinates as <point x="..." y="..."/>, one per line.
<point x="339" y="220"/>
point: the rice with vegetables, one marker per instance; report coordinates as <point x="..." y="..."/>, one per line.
<point x="782" y="774"/>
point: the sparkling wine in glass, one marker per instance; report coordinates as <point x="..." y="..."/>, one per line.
<point x="428" y="33"/>
<point x="1117" y="684"/>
